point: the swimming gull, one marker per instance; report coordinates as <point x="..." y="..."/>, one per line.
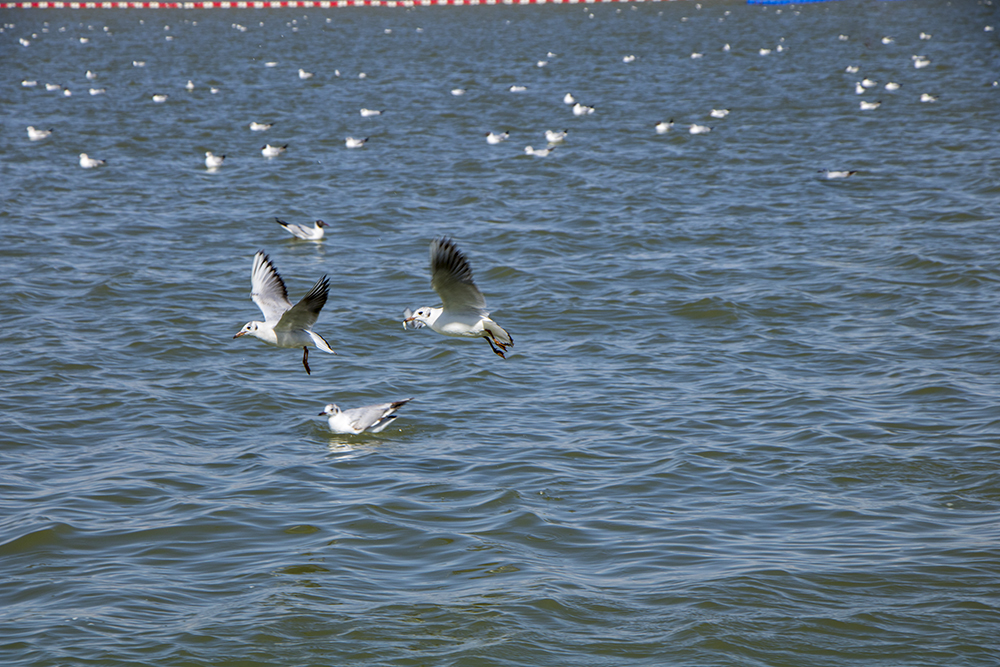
<point x="270" y="151"/>
<point x="213" y="161"/>
<point x="314" y="233"/>
<point x="494" y="138"/>
<point x="37" y="135"/>
<point x="371" y="418"/>
<point x="88" y="162"/>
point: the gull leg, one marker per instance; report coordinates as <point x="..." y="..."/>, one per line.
<point x="305" y="358"/>
<point x="496" y="351"/>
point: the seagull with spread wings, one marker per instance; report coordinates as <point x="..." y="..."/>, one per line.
<point x="285" y="325"/>
<point x="463" y="308"/>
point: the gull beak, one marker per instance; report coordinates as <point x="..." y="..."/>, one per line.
<point x="242" y="333"/>
<point x="321" y="414"/>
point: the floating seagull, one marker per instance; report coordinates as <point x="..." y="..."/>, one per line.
<point x="213" y="161"/>
<point x="458" y="91"/>
<point x="699" y="129"/>
<point x="869" y="106"/>
<point x="695" y="55"/>
<point x="213" y="90"/>
<point x="765" y="52"/>
<point x="91" y="75"/>
<point x="852" y="69"/>
<point x="52" y="87"/>
<point x="285" y="325"/>
<point x="37" y="135"/>
<point x="271" y="63"/>
<point x="628" y="59"/>
<point x="89" y="162"/>
<point x="582" y="110"/>
<point x="314" y="233"/>
<point x="67" y="93"/>
<point x="260" y="127"/>
<point x="463" y="311"/>
<point x="921" y="61"/>
<point x="569" y="99"/>
<point x="270" y="151"/>
<point x="538" y="152"/>
<point x="28" y="83"/>
<point x="726" y="48"/>
<point x="304" y="74"/>
<point x="927" y="97"/>
<point x="189" y="85"/>
<point x="892" y="85"/>
<point x="924" y="35"/>
<point x="858" y="88"/>
<point x="843" y="38"/>
<point x="868" y="83"/>
<point x="887" y="40"/>
<point x="160" y="98"/>
<point x="517" y="89"/>
<point x="368" y="113"/>
<point x="371" y="418"/>
<point x="542" y="63"/>
<point x="664" y="126"/>
<point x="98" y="91"/>
<point x="351" y="142"/>
<point x="554" y="137"/>
<point x="493" y="138"/>
<point x="830" y="173"/>
<point x="719" y="113"/>
<point x="138" y="63"/>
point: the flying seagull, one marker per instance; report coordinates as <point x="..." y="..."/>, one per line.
<point x="285" y="325"/>
<point x="463" y="307"/>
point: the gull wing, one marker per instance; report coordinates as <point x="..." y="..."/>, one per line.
<point x="304" y="314"/>
<point x="296" y="230"/>
<point x="267" y="288"/>
<point x="451" y="278"/>
<point x="375" y="417"/>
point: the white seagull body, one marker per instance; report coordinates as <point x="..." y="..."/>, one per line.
<point x="870" y="106"/>
<point x="569" y="99"/>
<point x="314" y="233"/>
<point x="285" y="325"/>
<point x="37" y="135"/>
<point x="892" y="85"/>
<point x="189" y="86"/>
<point x="719" y="113"/>
<point x="582" y="110"/>
<point x="160" y="98"/>
<point x="371" y="418"/>
<point x="270" y="151"/>
<point x="538" y="152"/>
<point x="463" y="308"/>
<point x="493" y="138"/>
<point x="368" y="113"/>
<point x="831" y="174"/>
<point x="88" y="162"/>
<point x="555" y="137"/>
<point x="664" y="126"/>
<point x="699" y="129"/>
<point x="304" y="74"/>
<point x="351" y="142"/>
<point x="213" y="161"/>
<point x="260" y="127"/>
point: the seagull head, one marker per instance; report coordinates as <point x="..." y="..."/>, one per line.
<point x="423" y="317"/>
<point x="248" y="328"/>
<point x="331" y="410"/>
<point x="320" y="223"/>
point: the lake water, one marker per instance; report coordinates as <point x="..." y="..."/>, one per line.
<point x="751" y="417"/>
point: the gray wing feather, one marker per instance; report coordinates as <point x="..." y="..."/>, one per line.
<point x="371" y="415"/>
<point x="305" y="313"/>
<point x="451" y="278"/>
<point x="267" y="289"/>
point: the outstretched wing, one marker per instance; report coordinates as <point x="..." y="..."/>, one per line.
<point x="267" y="288"/>
<point x="304" y="314"/>
<point x="451" y="278"/>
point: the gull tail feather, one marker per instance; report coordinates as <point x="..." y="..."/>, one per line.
<point x="499" y="334"/>
<point x="320" y="342"/>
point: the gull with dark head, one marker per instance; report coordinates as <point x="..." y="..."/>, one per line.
<point x="314" y="233"/>
<point x="371" y="418"/>
<point x="285" y="325"/>
<point x="463" y="308"/>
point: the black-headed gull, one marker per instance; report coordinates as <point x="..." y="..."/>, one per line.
<point x="582" y="110"/>
<point x="37" y="135"/>
<point x="314" y="233"/>
<point x="664" y="126"/>
<point x="270" y="151"/>
<point x="555" y="136"/>
<point x="213" y="161"/>
<point x="189" y="86"/>
<point x="463" y="308"/>
<point x="160" y="98"/>
<point x="833" y="173"/>
<point x="260" y="127"/>
<point x="29" y="83"/>
<point x="569" y="99"/>
<point x="351" y="142"/>
<point x="719" y="113"/>
<point x="371" y="418"/>
<point x="88" y="162"/>
<point x="285" y="325"/>
<point x="927" y="97"/>
<point x="493" y="138"/>
<point x="892" y="85"/>
<point x="870" y="106"/>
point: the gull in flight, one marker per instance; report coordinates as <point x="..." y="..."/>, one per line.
<point x="260" y="127"/>
<point x="493" y="138"/>
<point x="90" y="163"/>
<point x="285" y="325"/>
<point x="314" y="233"/>
<point x="463" y="308"/>
<point x="213" y="161"/>
<point x="37" y="135"/>
<point x="270" y="151"/>
<point x="371" y="418"/>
